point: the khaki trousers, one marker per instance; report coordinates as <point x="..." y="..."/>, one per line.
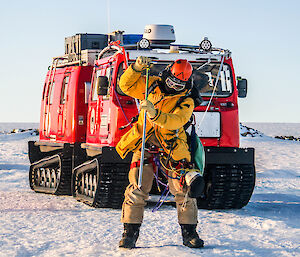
<point x="134" y="202"/>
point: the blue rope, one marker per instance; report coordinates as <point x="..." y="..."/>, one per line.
<point x="128" y="122"/>
<point x="157" y="180"/>
<point x="162" y="198"/>
<point x="160" y="201"/>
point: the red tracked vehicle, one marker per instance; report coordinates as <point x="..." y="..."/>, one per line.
<point x="84" y="114"/>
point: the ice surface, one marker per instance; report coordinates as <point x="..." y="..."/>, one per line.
<point x="44" y="225"/>
<point x="6" y="127"/>
<point x="276" y="129"/>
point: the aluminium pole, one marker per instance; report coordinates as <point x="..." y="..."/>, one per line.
<point x="144" y="131"/>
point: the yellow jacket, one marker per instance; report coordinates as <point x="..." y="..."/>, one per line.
<point x="167" y="125"/>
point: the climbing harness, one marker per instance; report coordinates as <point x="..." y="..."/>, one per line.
<point x="180" y="172"/>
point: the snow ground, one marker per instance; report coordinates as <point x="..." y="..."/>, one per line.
<point x="44" y="225"/>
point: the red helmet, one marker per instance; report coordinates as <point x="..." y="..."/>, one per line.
<point x="178" y="74"/>
<point x="182" y="69"/>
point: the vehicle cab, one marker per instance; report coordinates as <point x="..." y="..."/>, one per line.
<point x="110" y="111"/>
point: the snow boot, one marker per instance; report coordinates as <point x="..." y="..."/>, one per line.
<point x="190" y="237"/>
<point x="130" y="235"/>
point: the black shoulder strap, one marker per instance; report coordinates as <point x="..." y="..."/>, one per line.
<point x="152" y="87"/>
<point x="179" y="101"/>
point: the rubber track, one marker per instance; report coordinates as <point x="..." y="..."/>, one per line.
<point x="228" y="187"/>
<point x="64" y="187"/>
<point x="110" y="186"/>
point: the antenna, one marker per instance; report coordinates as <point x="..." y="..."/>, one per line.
<point x="108" y="16"/>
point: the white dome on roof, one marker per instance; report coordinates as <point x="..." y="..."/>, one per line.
<point x="159" y="34"/>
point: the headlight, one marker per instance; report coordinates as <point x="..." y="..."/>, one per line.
<point x="144" y="43"/>
<point x="206" y="45"/>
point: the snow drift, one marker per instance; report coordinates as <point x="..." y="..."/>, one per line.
<point x="45" y="225"/>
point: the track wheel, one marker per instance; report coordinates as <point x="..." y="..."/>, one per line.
<point x="100" y="185"/>
<point x="51" y="175"/>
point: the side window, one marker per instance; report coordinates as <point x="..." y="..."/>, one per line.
<point x="64" y="89"/>
<point x="94" y="92"/>
<point x="87" y="89"/>
<point x="120" y="73"/>
<point x="50" y="93"/>
<point x="206" y="77"/>
<point x="108" y="74"/>
<point x="101" y="72"/>
<point x="226" y="79"/>
<point x="44" y="90"/>
<point x="106" y="88"/>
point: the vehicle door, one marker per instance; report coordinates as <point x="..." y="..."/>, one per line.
<point x="62" y="107"/>
<point x="105" y="111"/>
<point x="50" y="113"/>
<point x="99" y="107"/>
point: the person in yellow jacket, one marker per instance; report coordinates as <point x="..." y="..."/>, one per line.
<point x="168" y="110"/>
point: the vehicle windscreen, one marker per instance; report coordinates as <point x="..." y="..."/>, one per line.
<point x="205" y="77"/>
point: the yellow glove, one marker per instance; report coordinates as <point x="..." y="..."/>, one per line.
<point x="148" y="107"/>
<point x="141" y="63"/>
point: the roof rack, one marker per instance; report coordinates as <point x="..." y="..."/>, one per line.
<point x="85" y="58"/>
<point x="88" y="56"/>
<point x="186" y="48"/>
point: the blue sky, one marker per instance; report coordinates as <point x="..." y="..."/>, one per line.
<point x="263" y="36"/>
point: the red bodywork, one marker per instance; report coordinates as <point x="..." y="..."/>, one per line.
<point x="230" y="136"/>
<point x="105" y="115"/>
<point x="64" y="108"/>
<point x="98" y="122"/>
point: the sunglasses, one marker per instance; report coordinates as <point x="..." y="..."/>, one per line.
<point x="175" y="83"/>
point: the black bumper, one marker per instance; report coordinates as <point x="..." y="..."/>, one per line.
<point x="229" y="155"/>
